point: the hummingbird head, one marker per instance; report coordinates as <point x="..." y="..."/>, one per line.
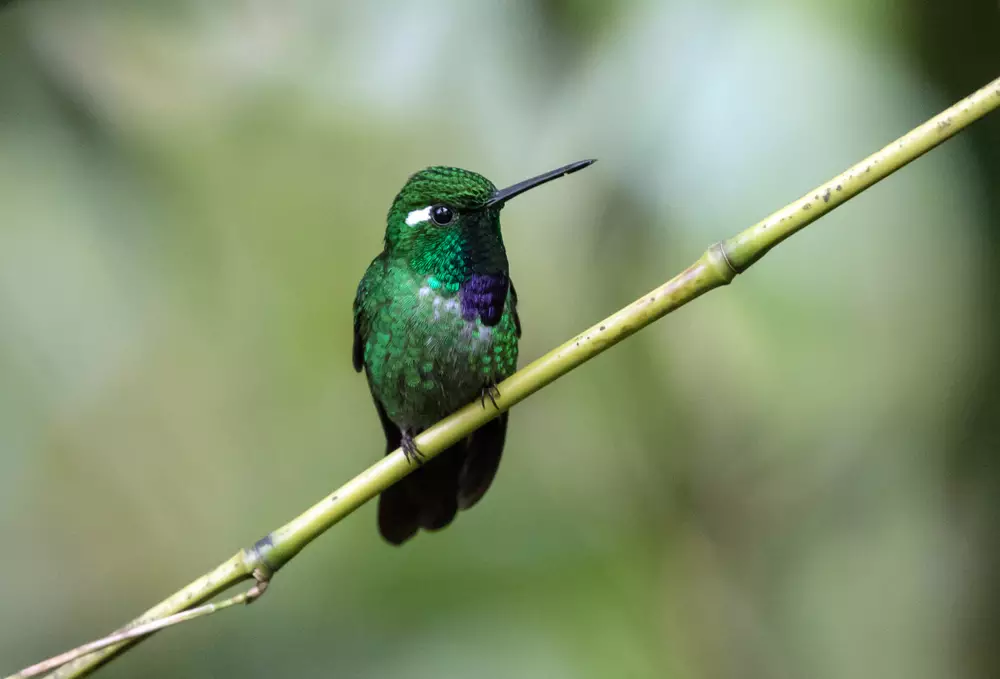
<point x="445" y="222"/>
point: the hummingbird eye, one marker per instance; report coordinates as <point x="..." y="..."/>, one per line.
<point x="442" y="215"/>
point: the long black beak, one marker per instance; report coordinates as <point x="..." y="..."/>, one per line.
<point x="503" y="195"/>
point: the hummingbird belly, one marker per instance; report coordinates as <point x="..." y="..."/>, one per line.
<point x="426" y="360"/>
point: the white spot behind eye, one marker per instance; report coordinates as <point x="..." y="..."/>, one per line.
<point x="418" y="216"/>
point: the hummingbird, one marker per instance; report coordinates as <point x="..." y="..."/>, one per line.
<point x="436" y="327"/>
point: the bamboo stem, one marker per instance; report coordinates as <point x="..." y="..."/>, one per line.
<point x="716" y="267"/>
<point x="143" y="630"/>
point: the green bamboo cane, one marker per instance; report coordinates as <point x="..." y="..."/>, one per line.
<point x="716" y="267"/>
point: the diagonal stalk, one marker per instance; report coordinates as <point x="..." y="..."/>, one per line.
<point x="143" y="630"/>
<point x="716" y="267"/>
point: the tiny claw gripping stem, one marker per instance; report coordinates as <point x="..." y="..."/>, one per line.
<point x="492" y="392"/>
<point x="410" y="450"/>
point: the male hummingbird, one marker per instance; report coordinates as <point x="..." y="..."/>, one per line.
<point x="436" y="326"/>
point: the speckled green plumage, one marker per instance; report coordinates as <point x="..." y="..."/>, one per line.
<point x="450" y="254"/>
<point x="423" y="359"/>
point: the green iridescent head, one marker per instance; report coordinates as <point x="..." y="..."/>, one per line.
<point x="445" y="221"/>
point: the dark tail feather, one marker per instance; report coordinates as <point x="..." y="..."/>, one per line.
<point x="482" y="461"/>
<point x="427" y="498"/>
<point x="397" y="515"/>
<point x="431" y="495"/>
<point x="434" y="488"/>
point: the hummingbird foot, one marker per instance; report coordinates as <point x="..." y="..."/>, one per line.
<point x="490" y="391"/>
<point x="410" y="450"/>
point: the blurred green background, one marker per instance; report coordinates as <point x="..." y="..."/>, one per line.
<point x="793" y="477"/>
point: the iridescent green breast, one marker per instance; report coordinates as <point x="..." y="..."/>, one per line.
<point x="423" y="359"/>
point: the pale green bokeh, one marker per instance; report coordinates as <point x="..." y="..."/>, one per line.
<point x="178" y="255"/>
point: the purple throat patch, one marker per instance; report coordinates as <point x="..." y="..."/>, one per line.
<point x="483" y="296"/>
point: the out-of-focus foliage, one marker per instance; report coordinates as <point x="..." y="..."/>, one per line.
<point x="792" y="477"/>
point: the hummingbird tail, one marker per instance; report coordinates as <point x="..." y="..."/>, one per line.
<point x="397" y="513"/>
<point x="427" y="498"/>
<point x="433" y="493"/>
<point x="398" y="519"/>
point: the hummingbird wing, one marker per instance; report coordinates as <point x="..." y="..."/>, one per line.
<point x="513" y="310"/>
<point x="398" y="514"/>
<point x="361" y="322"/>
